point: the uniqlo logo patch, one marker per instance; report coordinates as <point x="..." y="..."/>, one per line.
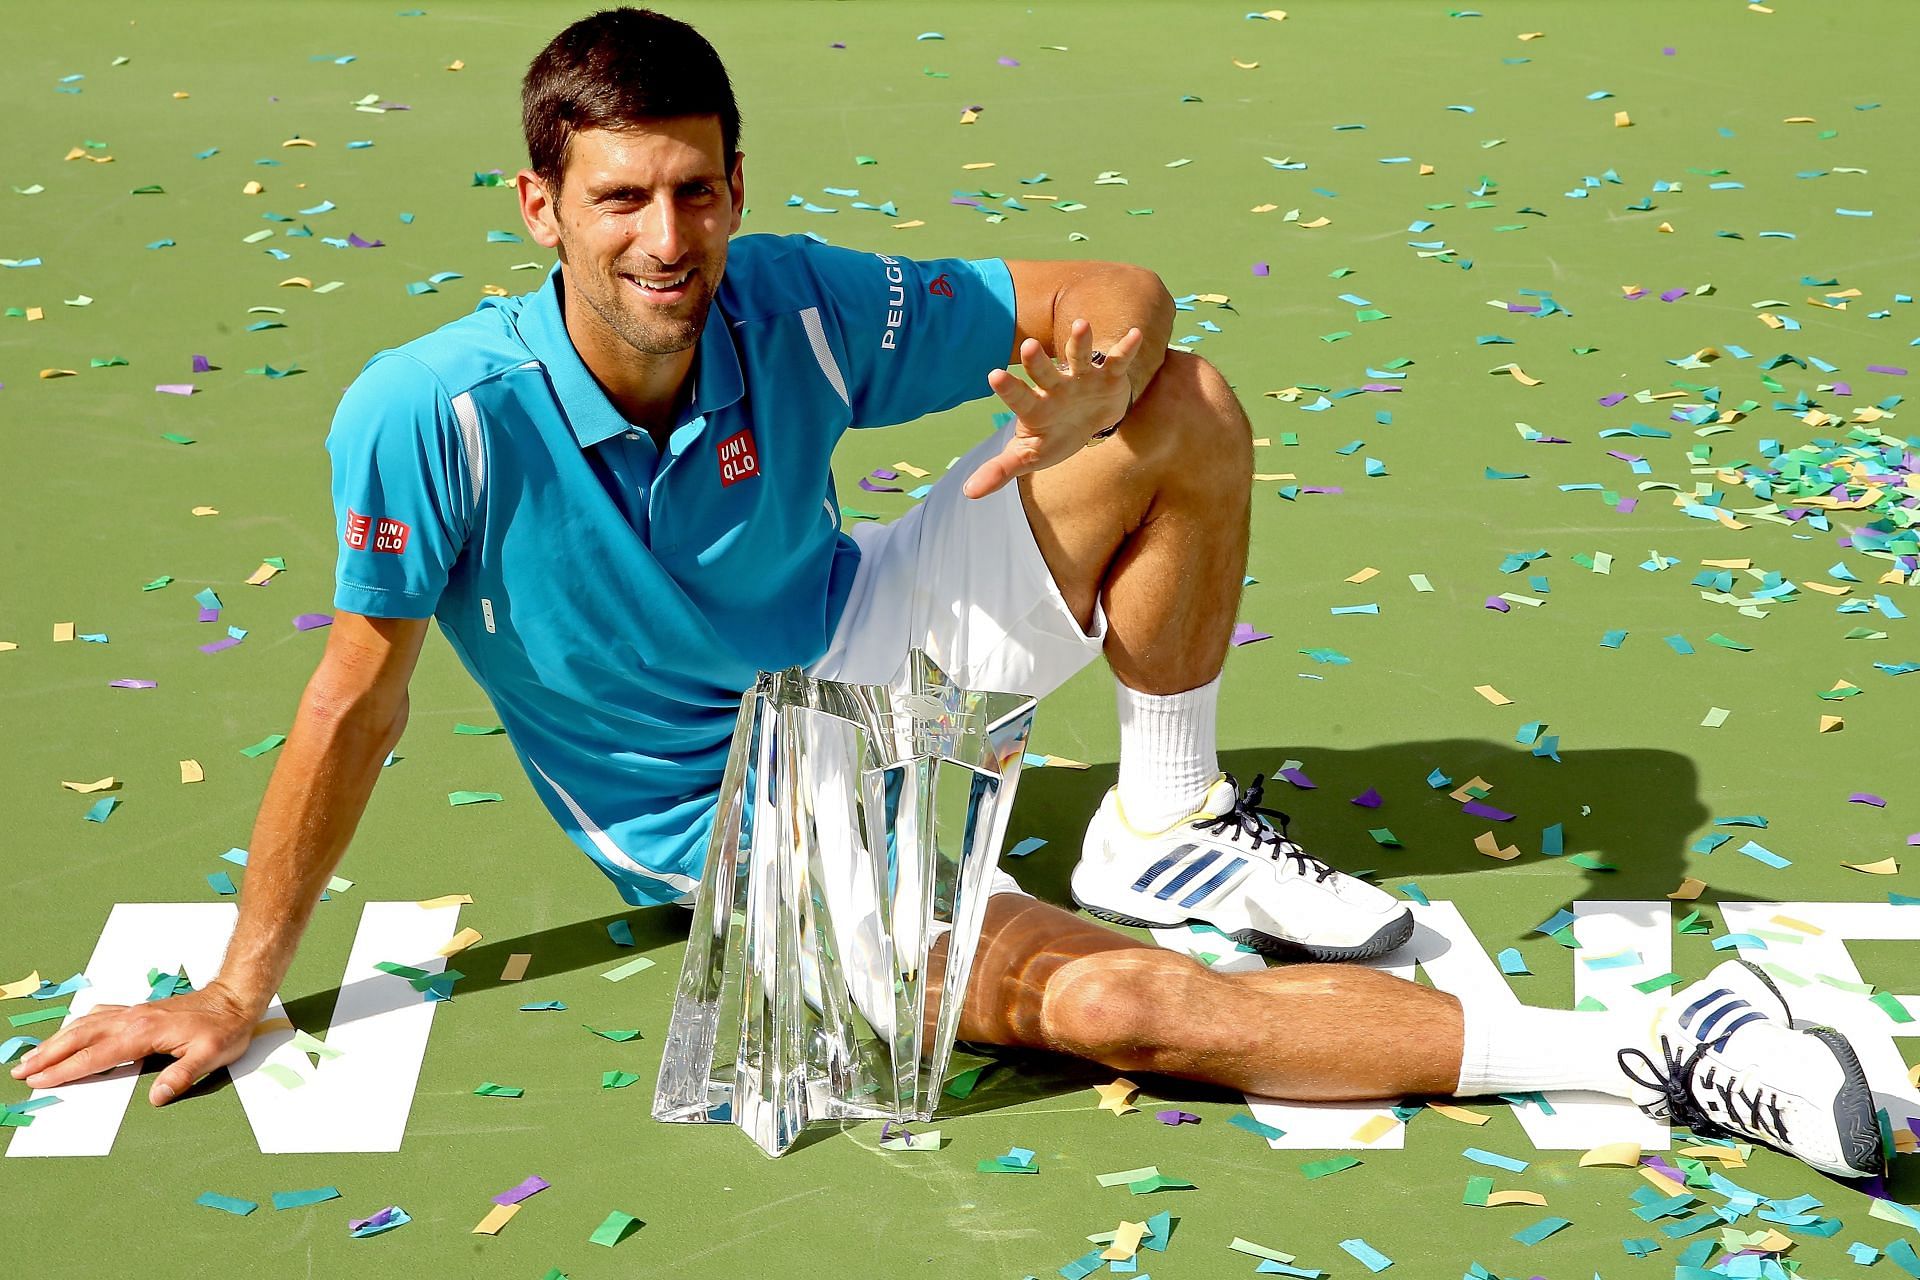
<point x="358" y="526"/>
<point x="390" y="536"/>
<point x="738" y="459"/>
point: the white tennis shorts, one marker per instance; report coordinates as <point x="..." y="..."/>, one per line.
<point x="963" y="579"/>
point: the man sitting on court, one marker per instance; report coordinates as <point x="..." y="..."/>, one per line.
<point x="615" y="495"/>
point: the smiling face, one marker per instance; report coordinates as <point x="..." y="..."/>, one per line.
<point x="647" y="206"/>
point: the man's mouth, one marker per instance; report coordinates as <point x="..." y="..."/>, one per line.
<point x="662" y="290"/>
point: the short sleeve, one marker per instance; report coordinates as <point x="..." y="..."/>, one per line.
<point x="919" y="335"/>
<point x="399" y="498"/>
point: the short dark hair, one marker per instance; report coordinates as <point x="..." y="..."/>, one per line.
<point x="612" y="70"/>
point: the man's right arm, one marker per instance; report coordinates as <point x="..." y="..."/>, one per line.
<point x="349" y="718"/>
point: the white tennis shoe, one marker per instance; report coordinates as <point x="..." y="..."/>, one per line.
<point x="1727" y="1061"/>
<point x="1228" y="866"/>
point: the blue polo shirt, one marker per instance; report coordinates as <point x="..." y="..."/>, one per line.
<point x="613" y="599"/>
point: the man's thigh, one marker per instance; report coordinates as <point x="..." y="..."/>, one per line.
<point x="1023" y="943"/>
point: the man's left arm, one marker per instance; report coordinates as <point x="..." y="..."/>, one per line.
<point x="1065" y="312"/>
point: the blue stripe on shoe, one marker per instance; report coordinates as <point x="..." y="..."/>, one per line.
<point x="1153" y="872"/>
<point x="1687" y="1014"/>
<point x="1741" y="1021"/>
<point x="1705" y="1030"/>
<point x="1192" y="869"/>
<point x="1220" y="877"/>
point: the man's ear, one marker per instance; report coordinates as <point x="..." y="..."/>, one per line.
<point x="536" y="209"/>
<point x="738" y="183"/>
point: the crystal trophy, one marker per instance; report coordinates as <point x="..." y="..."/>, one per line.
<point x="857" y="825"/>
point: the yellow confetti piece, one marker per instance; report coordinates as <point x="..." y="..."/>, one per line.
<point x="270" y="1026"/>
<point x="1261" y="442"/>
<point x="1624" y="1155"/>
<point x="1531" y="35"/>
<point x="190" y="771"/>
<point x="516" y="967"/>
<point x="1426" y="171"/>
<point x="206" y="511"/>
<point x="1827" y="588"/>
<point x="902" y="226"/>
<point x="1832" y="724"/>
<point x="59" y="373"/>
<point x="26" y="986"/>
<point x="1269" y="476"/>
<point x="259" y="577"/>
<point x="911" y="470"/>
<point x="1375" y="1129"/>
<point x="1884" y="867"/>
<point x="457" y="64"/>
<point x="1364" y="574"/>
<point x="1662" y="1183"/>
<point x="979" y="164"/>
<point x="448" y="900"/>
<point x="1118" y="1097"/>
<point x="1473" y="788"/>
<point x="501" y="1214"/>
<point x="1497" y="1198"/>
<point x="1665" y="228"/>
<point x="7" y="646"/>
<point x="62" y="631"/>
<point x="1462" y="1114"/>
<point x="1062" y="762"/>
<point x="969" y="116"/>
<point x="459" y="942"/>
<point x="1799" y="120"/>
<point x="299" y="142"/>
<point x="1487" y="843"/>
<point x="88" y="788"/>
<point x="1126" y="1241"/>
<point x="1727" y="1157"/>
<point x="1621" y="120"/>
<point x="1245" y="66"/>
<point x="1316" y="224"/>
<point x="252" y="189"/>
<point x="1689" y="890"/>
<point x="296" y="282"/>
<point x="1264" y="208"/>
<point x="1519" y="375"/>
<point x="1493" y="695"/>
<point x="36" y="313"/>
<point x="1788" y="922"/>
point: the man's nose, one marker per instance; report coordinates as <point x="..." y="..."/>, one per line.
<point x="662" y="231"/>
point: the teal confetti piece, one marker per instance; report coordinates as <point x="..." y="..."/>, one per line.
<point x="229" y="1204"/>
<point x="1368" y="1256"/>
<point x="1511" y="962"/>
<point x="301" y="1199"/>
<point x="1256" y="1128"/>
<point x="1495" y="1161"/>
<point x="1541" y="1230"/>
<point x="102" y="809"/>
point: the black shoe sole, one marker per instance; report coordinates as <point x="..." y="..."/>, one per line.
<point x="1391" y="937"/>
<point x="1854" y="1114"/>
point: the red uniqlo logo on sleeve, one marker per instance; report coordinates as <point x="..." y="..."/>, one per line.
<point x="357" y="529"/>
<point x="738" y="461"/>
<point x="390" y="536"/>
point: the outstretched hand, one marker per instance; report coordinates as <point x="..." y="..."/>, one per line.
<point x="1067" y="403"/>
<point x="201" y="1030"/>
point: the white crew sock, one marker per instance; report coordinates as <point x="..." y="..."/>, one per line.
<point x="1167" y="759"/>
<point x="1520" y="1049"/>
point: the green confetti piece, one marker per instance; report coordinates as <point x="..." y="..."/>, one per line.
<point x="176" y="438"/>
<point x="1384" y="837"/>
<point x="617" y="1079"/>
<point x="263" y="746"/>
<point x="620" y="973"/>
<point x="157" y="583"/>
<point x="457" y="798"/>
<point x="37" y="1015"/>
<point x="1127" y="1176"/>
<point x="615" y="1229"/>
<point x="1891" y="1006"/>
<point x="1001" y="1165"/>
<point x="488" y="1089"/>
<point x="1727" y="643"/>
<point x="1661" y="983"/>
<point x="1158" y="1182"/>
<point x="1478" y="1189"/>
<point x="618" y="1037"/>
<point x="1321" y="1168"/>
<point x="963" y="1085"/>
<point x="479" y="730"/>
<point x="1336" y="335"/>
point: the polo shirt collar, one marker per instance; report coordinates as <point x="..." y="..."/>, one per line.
<point x="591" y="416"/>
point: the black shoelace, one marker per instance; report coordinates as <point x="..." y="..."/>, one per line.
<point x="1247" y="818"/>
<point x="1674" y="1080"/>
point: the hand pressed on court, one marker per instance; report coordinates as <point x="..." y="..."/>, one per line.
<point x="1056" y="416"/>
<point x="202" y="1030"/>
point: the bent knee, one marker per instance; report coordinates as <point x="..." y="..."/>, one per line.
<point x="1120" y="1008"/>
<point x="1191" y="414"/>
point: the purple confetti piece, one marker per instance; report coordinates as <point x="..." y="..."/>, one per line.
<point x="209" y="615"/>
<point x="1843" y="388"/>
<point x="134" y="684"/>
<point x="1368" y="799"/>
<point x="532" y="1186"/>
<point x="1628" y="458"/>
<point x="1863" y="797"/>
<point x="885" y="473"/>
<point x="1655" y="1162"/>
<point x="174" y="388"/>
<point x="1176" y="1117"/>
<point x="1244" y="633"/>
<point x="1548" y="440"/>
<point x="1891" y="370"/>
<point x="1260" y="269"/>
<point x="1315" y="488"/>
<point x="871" y="487"/>
<point x="355" y="241"/>
<point x="1380" y="386"/>
<point x="971" y="204"/>
<point x="1613" y="399"/>
<point x="202" y="365"/>
<point x="1626" y="505"/>
<point x="1914" y="838"/>
<point x="309" y="621"/>
<point x="1673" y="295"/>
<point x="1009" y="62"/>
<point x="1480" y="810"/>
<point x="379" y="1219"/>
<point x="839" y="44"/>
<point x="1523" y="308"/>
<point x="1498" y="605"/>
<point x="1298" y="779"/>
<point x="224" y="642"/>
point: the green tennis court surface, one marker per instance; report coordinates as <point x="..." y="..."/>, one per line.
<point x="1759" y="347"/>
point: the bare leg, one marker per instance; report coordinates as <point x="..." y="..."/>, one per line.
<point x="1046" y="979"/>
<point x="1153" y="523"/>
